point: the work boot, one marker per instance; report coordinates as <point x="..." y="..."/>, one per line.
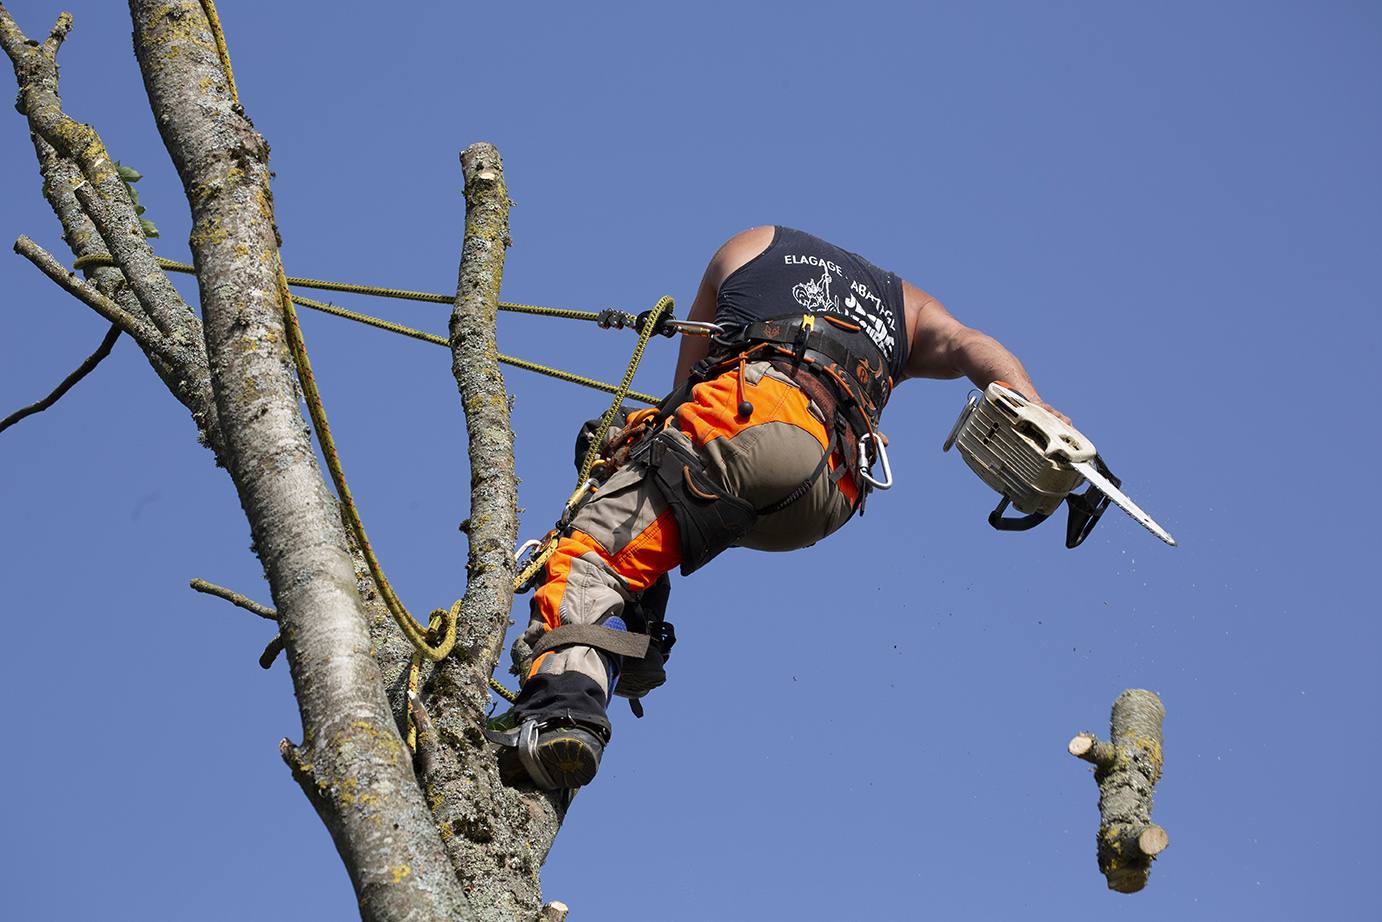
<point x="551" y="757"/>
<point x="555" y="734"/>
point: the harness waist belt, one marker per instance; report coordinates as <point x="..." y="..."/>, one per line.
<point x="842" y="343"/>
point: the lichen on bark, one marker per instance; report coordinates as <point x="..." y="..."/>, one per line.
<point x="1127" y="768"/>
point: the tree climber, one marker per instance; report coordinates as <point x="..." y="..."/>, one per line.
<point x="767" y="442"/>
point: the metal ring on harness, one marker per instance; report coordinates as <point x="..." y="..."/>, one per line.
<point x="865" y="469"/>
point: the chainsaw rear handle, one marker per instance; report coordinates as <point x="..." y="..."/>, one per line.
<point x="998" y="521"/>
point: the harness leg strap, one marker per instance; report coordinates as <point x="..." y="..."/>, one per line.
<point x="622" y="643"/>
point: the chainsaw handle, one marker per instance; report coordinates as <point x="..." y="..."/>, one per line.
<point x="997" y="520"/>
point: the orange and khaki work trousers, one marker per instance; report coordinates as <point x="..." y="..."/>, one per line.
<point x="625" y="537"/>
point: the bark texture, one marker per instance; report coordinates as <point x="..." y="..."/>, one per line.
<point x="352" y="763"/>
<point x="1127" y="769"/>
<point x="98" y="219"/>
<point x="497" y="836"/>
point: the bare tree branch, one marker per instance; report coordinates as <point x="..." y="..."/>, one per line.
<point x="68" y="382"/>
<point x="235" y="598"/>
<point x="71" y="155"/>
<point x="1127" y="769"/>
<point x="496" y="836"/>
<point x="140" y="330"/>
<point x="409" y="855"/>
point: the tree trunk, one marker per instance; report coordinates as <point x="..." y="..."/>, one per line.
<point x="352" y="762"/>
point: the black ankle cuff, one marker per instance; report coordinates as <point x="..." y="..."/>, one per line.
<point x="568" y="696"/>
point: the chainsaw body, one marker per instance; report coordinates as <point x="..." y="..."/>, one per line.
<point x="1026" y="454"/>
<point x="1017" y="448"/>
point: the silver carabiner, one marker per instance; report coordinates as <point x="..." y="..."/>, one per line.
<point x="865" y="469"/>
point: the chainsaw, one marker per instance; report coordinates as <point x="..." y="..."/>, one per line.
<point x="1037" y="462"/>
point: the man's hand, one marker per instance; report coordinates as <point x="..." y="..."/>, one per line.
<point x="1054" y="412"/>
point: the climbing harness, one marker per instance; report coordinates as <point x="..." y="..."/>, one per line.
<point x="835" y="364"/>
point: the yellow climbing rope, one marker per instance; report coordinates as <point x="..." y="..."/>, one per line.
<point x="584" y="485"/>
<point x="436" y="640"/>
<point x="422" y="639"/>
<point x="102" y="259"/>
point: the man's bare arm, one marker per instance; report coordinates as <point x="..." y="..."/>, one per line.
<point x="942" y="347"/>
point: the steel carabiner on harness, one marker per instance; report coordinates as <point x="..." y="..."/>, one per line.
<point x="866" y="468"/>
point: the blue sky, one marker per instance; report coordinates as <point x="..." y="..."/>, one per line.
<point x="1171" y="215"/>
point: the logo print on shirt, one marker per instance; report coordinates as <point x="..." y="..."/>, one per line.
<point x="815" y="295"/>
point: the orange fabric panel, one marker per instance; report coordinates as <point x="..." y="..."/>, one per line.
<point x="549" y="595"/>
<point x="655" y="551"/>
<point x="845" y="484"/>
<point x="713" y="411"/>
<point x="650" y="554"/>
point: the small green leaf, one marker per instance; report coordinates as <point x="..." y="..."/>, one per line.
<point x="148" y="227"/>
<point x="128" y="173"/>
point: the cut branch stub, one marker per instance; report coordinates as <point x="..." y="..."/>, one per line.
<point x="1127" y="769"/>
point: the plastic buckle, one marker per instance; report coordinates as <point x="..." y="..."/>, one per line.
<point x="664" y="635"/>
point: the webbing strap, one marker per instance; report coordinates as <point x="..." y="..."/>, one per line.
<point x="860" y="363"/>
<point x="598" y="636"/>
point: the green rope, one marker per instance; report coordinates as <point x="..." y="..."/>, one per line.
<point x="662" y="308"/>
<point x="504" y="693"/>
<point x="87" y="262"/>
<point x="416" y="634"/>
<point x="101" y="259"/>
<point x="549" y="544"/>
<point x="442" y="341"/>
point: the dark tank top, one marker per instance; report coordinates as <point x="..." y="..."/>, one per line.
<point x="799" y="273"/>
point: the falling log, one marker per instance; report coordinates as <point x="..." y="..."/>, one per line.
<point x="1127" y="769"/>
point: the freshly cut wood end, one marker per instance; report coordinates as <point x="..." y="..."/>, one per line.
<point x="1128" y="881"/>
<point x="1081" y="744"/>
<point x="1152" y="841"/>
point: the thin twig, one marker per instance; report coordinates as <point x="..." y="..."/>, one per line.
<point x="428" y="758"/>
<point x="142" y="331"/>
<point x="82" y="371"/>
<point x="262" y="611"/>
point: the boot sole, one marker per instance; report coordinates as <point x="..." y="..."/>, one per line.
<point x="570" y="760"/>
